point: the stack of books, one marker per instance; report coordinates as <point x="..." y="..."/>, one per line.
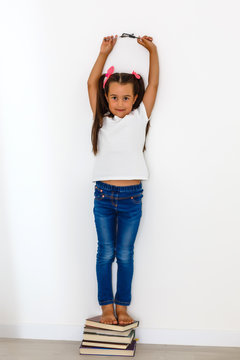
<point x="108" y="339"/>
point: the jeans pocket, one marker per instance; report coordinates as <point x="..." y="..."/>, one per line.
<point x="136" y="199"/>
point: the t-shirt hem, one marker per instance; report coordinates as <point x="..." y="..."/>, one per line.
<point x="120" y="178"/>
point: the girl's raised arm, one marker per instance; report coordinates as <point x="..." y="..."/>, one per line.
<point x="153" y="76"/>
<point x="106" y="47"/>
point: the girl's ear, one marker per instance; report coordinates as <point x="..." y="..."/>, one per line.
<point x="135" y="98"/>
<point x="106" y="97"/>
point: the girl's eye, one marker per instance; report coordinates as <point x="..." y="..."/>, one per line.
<point x="114" y="98"/>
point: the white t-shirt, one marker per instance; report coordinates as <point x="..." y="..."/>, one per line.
<point x="120" y="145"/>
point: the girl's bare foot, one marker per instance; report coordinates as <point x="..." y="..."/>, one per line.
<point x="122" y="315"/>
<point x="108" y="316"/>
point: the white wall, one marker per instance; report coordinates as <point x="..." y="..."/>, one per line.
<point x="186" y="275"/>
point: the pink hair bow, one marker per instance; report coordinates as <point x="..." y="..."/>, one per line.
<point x="108" y="74"/>
<point x="137" y="76"/>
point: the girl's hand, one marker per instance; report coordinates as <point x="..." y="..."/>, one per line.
<point x="108" y="44"/>
<point x="146" y="41"/>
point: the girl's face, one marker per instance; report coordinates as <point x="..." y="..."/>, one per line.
<point x="120" y="98"/>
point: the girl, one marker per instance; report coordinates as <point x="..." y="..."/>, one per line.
<point x="121" y="111"/>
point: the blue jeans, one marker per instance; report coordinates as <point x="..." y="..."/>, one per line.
<point x="117" y="212"/>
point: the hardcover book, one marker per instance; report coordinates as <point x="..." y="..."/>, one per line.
<point x="94" y="330"/>
<point x="104" y="345"/>
<point x="95" y="322"/>
<point x="88" y="350"/>
<point x="110" y="338"/>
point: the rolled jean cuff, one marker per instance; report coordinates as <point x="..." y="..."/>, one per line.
<point x="121" y="303"/>
<point x="106" y="302"/>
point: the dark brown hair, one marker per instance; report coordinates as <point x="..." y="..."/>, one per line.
<point x="102" y="108"/>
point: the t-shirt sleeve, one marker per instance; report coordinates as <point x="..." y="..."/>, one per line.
<point x="143" y="113"/>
